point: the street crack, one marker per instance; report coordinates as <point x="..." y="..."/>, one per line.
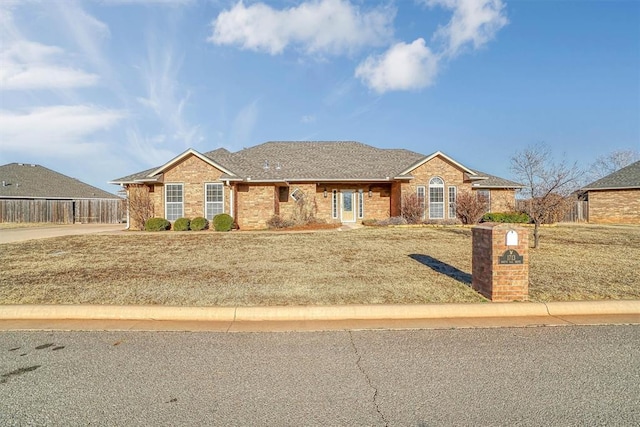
<point x="361" y="369"/>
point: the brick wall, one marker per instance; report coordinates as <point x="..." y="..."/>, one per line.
<point x="496" y="281"/>
<point x="614" y="206"/>
<point x="255" y="205"/>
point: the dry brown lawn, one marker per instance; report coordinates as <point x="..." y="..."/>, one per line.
<point x="364" y="266"/>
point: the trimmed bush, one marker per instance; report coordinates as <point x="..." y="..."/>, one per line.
<point x="510" y="217"/>
<point x="157" y="224"/>
<point x="199" y="223"/>
<point x="222" y="222"/>
<point x="181" y="224"/>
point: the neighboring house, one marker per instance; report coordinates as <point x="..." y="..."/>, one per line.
<point x="344" y="181"/>
<point x="33" y="193"/>
<point x="616" y="197"/>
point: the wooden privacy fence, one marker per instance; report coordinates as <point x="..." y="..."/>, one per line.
<point x="86" y="211"/>
<point x="577" y="212"/>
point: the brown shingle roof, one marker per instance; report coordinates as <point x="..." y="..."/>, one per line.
<point x="627" y="177"/>
<point x="29" y="181"/>
<point x="315" y="161"/>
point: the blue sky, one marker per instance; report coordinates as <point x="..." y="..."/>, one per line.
<point x="101" y="89"/>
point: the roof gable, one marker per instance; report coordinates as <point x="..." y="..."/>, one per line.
<point x="183" y="156"/>
<point x="20" y="180"/>
<point x="627" y="177"/>
<point x="437" y="154"/>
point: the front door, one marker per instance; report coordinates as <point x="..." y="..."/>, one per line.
<point x="348" y="211"/>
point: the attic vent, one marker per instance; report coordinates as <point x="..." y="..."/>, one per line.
<point x="266" y="165"/>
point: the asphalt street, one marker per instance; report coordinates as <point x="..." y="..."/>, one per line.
<point x="564" y="376"/>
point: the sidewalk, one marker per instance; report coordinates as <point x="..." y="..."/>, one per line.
<point x="315" y="318"/>
<point x="10" y="235"/>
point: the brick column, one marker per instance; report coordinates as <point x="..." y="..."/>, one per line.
<point x="500" y="262"/>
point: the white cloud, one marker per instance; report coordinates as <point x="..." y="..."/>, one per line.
<point x="55" y="130"/>
<point x="473" y="22"/>
<point x="26" y="65"/>
<point x="309" y="118"/>
<point x="402" y="67"/>
<point x="316" y="26"/>
<point x="164" y="95"/>
<point x="244" y="123"/>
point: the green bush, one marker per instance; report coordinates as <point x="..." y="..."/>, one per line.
<point x="510" y="217"/>
<point x="199" y="223"/>
<point x="222" y="222"/>
<point x="181" y="224"/>
<point x="157" y="224"/>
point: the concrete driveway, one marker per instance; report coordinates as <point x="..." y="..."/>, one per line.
<point x="9" y="235"/>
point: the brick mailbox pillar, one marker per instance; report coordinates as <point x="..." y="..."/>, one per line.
<point x="500" y="262"/>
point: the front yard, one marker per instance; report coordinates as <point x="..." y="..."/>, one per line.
<point x="364" y="266"/>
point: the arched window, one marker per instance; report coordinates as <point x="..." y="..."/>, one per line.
<point x="436" y="198"/>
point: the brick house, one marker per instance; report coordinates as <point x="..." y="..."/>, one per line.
<point x="616" y="197"/>
<point x="345" y="182"/>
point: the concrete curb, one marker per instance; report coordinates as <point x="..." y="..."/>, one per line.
<point x="318" y="313"/>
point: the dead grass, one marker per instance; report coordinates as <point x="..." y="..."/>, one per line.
<point x="364" y="266"/>
<point x="8" y="225"/>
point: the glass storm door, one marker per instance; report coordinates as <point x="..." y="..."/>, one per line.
<point x="348" y="211"/>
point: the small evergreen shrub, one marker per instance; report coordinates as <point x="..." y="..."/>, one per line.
<point x="510" y="217"/>
<point x="157" y="224"/>
<point x="222" y="222"/>
<point x="199" y="223"/>
<point x="181" y="224"/>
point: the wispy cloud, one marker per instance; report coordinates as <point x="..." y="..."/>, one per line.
<point x="57" y="130"/>
<point x="316" y="27"/>
<point x="29" y="65"/>
<point x="402" y="67"/>
<point x="474" y="22"/>
<point x="149" y="2"/>
<point x="309" y="118"/>
<point x="415" y="66"/>
<point x="243" y="124"/>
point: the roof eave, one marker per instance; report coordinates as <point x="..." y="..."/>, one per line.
<point x="191" y="151"/>
<point x="635" y="187"/>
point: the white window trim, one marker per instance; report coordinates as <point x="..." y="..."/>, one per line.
<point x="424" y="198"/>
<point x="205" y="197"/>
<point x="455" y="200"/>
<point x="431" y="204"/>
<point x="166" y="203"/>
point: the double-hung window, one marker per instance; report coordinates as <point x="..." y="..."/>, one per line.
<point x="452" y="202"/>
<point x="360" y="203"/>
<point x="174" y="201"/>
<point x="213" y="199"/>
<point x="485" y="197"/>
<point x="436" y="198"/>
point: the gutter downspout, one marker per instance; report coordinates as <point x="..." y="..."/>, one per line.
<point x="128" y="207"/>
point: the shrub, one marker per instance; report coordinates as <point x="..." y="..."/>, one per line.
<point x="277" y="221"/>
<point x="511" y="217"/>
<point x="469" y="207"/>
<point x="181" y="224"/>
<point x="370" y="222"/>
<point x="412" y="210"/>
<point x="199" y="223"/>
<point x="157" y="224"/>
<point x="222" y="222"/>
<point x="394" y="220"/>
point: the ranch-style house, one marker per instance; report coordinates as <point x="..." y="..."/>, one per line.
<point x="345" y="181"/>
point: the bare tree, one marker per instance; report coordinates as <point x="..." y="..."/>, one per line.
<point x="469" y="207"/>
<point x="547" y="184"/>
<point x="609" y="163"/>
<point x="140" y="205"/>
<point x="412" y="208"/>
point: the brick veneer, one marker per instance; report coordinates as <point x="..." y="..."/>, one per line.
<point x="499" y="282"/>
<point x="614" y="206"/>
